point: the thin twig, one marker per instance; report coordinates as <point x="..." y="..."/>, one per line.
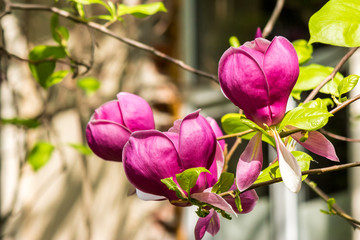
<point x="104" y="30"/>
<point x="344" y="104"/>
<point x="335" y="207"/>
<point x="338" y="137"/>
<point x="311" y="171"/>
<point x="231" y="152"/>
<point x="332" y="75"/>
<point x="274" y="16"/>
<point x="235" y="134"/>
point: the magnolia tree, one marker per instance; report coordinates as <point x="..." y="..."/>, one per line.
<point x="187" y="164"/>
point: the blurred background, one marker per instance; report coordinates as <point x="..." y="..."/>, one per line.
<point x="80" y="196"/>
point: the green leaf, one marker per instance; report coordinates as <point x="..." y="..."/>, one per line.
<point x="55" y="78"/>
<point x="348" y="84"/>
<point x="238" y="201"/>
<point x="303" y="50"/>
<point x="296" y="94"/>
<point x="81" y="148"/>
<point x="141" y="10"/>
<point x="22" y="122"/>
<point x="45" y="68"/>
<point x="236" y="123"/>
<point x="337" y="23"/>
<point x="305" y="118"/>
<point x="89" y="84"/>
<point x="224" y="183"/>
<point x="311" y="76"/>
<point x="303" y="160"/>
<point x="321" y="103"/>
<point x="59" y="33"/>
<point x="171" y="185"/>
<point x="234" y="41"/>
<point x="273" y="170"/>
<point x="40" y="155"/>
<point x="187" y="179"/>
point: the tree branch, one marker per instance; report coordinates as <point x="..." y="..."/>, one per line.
<point x="274" y="16"/>
<point x="106" y="31"/>
<point x="311" y="171"/>
<point x="335" y="207"/>
<point x="338" y="137"/>
<point x="332" y="75"/>
<point x="344" y="104"/>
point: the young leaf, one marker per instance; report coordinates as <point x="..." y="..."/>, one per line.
<point x="309" y="119"/>
<point x="312" y="75"/>
<point x="55" y="78"/>
<point x="337" y="23"/>
<point x="45" y="68"/>
<point x="59" y="33"/>
<point x="187" y="179"/>
<point x="40" y="155"/>
<point x="273" y="170"/>
<point x="171" y="185"/>
<point x="89" y="84"/>
<point x="224" y="183"/>
<point x="234" y="41"/>
<point x="81" y="148"/>
<point x="28" y="123"/>
<point x="303" y="50"/>
<point x="320" y="103"/>
<point x="238" y="201"/>
<point x="348" y="84"/>
<point x="141" y="11"/>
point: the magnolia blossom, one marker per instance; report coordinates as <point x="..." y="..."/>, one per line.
<point x="112" y="123"/>
<point x="258" y="78"/>
<point x="150" y="156"/>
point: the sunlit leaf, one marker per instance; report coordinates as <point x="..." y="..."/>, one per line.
<point x="56" y="78"/>
<point x="224" y="183"/>
<point x="142" y="10"/>
<point x="28" y="123"/>
<point x="187" y="179"/>
<point x="234" y="41"/>
<point x="348" y="84"/>
<point x="303" y="50"/>
<point x="337" y="23"/>
<point x="306" y="118"/>
<point x="311" y="76"/>
<point x="59" y="33"/>
<point x="81" y="148"/>
<point x="171" y="185"/>
<point x="89" y="84"/>
<point x="40" y="155"/>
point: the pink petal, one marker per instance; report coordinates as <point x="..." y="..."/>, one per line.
<point x="176" y="127"/>
<point x="318" y="144"/>
<point x="148" y="157"/>
<point x="250" y="163"/>
<point x="214" y="200"/>
<point x="107" y="139"/>
<point x="218" y="133"/>
<point x="197" y="142"/>
<point x="136" y="112"/>
<point x="243" y="81"/>
<point x="210" y="224"/>
<point x="281" y="68"/>
<point x="248" y="200"/>
<point x="259" y="44"/>
<point x="109" y="111"/>
<point x="289" y="168"/>
<point x="258" y="33"/>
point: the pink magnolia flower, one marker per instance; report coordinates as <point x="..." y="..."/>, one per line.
<point x="258" y="78"/>
<point x="112" y="123"/>
<point x="150" y="156"/>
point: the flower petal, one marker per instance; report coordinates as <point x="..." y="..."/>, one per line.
<point x="109" y="111"/>
<point x="136" y="112"/>
<point x="318" y="144"/>
<point x="289" y="168"/>
<point x="210" y="224"/>
<point x="213" y="199"/>
<point x="107" y="139"/>
<point x="197" y="142"/>
<point x="218" y="133"/>
<point x="243" y="81"/>
<point x="250" y="163"/>
<point x="248" y="200"/>
<point x="148" y="197"/>
<point x="148" y="157"/>
<point x="281" y="68"/>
